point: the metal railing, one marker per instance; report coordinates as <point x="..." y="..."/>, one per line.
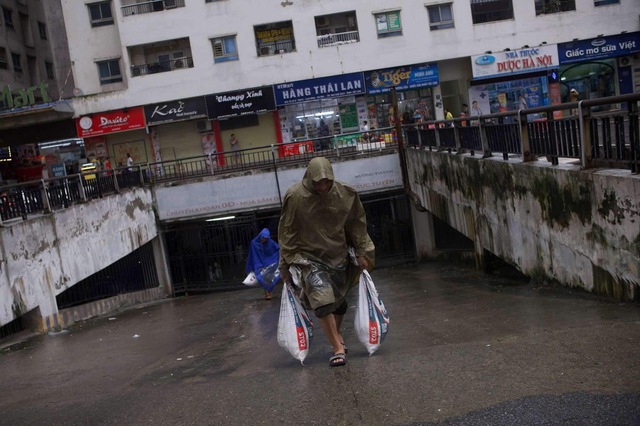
<point x="291" y="154"/>
<point x="150" y="7"/>
<point x="162" y="66"/>
<point x="327" y="40"/>
<point x="601" y="132"/>
<point x="46" y="195"/>
<point x="277" y="47"/>
<point x="598" y="133"/>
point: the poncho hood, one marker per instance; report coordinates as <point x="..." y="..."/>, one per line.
<point x="319" y="168"/>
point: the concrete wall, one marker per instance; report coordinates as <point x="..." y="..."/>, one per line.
<point x="579" y="228"/>
<point x="42" y="257"/>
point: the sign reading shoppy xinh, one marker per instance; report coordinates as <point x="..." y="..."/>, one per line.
<point x="240" y="102"/>
<point x="319" y="88"/>
<point x="172" y="111"/>
<point x="110" y="122"/>
<point x="517" y="61"/>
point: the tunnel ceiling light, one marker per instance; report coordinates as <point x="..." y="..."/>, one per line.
<point x="213" y="219"/>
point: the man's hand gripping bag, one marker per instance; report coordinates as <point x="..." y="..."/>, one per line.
<point x="295" y="329"/>
<point x="372" y="320"/>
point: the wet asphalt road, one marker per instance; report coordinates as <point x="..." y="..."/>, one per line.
<point x="463" y="348"/>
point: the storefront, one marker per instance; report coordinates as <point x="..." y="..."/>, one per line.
<point x="113" y="135"/>
<point x="413" y="84"/>
<point x="319" y="108"/>
<point x="173" y="126"/>
<point x="598" y="67"/>
<point x="513" y="80"/>
<point x="340" y="105"/>
<point x="245" y="113"/>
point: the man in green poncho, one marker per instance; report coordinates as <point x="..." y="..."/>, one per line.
<point x="320" y="220"/>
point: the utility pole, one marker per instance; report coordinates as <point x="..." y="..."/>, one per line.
<point x="400" y="139"/>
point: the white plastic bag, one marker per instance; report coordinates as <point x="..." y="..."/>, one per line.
<point x="372" y="321"/>
<point x="295" y="328"/>
<point x="251" y="280"/>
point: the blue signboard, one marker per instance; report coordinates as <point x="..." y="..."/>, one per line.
<point x="57" y="170"/>
<point x="599" y="48"/>
<point x="319" y="88"/>
<point x="409" y="77"/>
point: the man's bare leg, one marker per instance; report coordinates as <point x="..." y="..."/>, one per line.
<point x="338" y="320"/>
<point x="328" y="325"/>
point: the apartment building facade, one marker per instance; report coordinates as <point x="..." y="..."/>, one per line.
<point x="183" y="73"/>
<point x="35" y="74"/>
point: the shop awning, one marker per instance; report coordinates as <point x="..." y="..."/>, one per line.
<point x="41" y="123"/>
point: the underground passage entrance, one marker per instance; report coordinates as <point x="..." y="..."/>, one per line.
<point x="212" y="255"/>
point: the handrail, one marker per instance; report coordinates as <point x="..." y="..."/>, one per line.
<point x="610" y="138"/>
<point x="593" y="138"/>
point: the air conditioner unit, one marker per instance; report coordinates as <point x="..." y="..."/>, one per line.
<point x="322" y="21"/>
<point x="203" y="126"/>
<point x="625" y="61"/>
<point x="265" y="51"/>
<point x="169" y="4"/>
<point x="178" y="63"/>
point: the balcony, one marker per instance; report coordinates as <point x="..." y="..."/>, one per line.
<point x="150" y="6"/>
<point x="327" y="40"/>
<point x="336" y="29"/>
<point x="163" y="56"/>
<point x="162" y="66"/>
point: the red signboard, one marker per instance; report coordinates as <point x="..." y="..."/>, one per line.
<point x="110" y="122"/>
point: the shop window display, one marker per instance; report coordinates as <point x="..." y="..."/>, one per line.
<point x="592" y="80"/>
<point x="413" y="105"/>
<point x="306" y="118"/>
<point x="519" y="94"/>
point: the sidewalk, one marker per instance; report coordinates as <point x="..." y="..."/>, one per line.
<point x="463" y="348"/>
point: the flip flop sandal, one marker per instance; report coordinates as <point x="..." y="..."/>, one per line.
<point x="338" y="360"/>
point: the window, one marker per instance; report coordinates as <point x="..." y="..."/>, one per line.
<point x="337" y="28"/>
<point x="15" y="58"/>
<point x="100" y="14"/>
<point x="440" y="17"/>
<point x="3" y="59"/>
<point x="605" y="2"/>
<point x="42" y="29"/>
<point x="224" y="49"/>
<point x="388" y="24"/>
<point x="544" y="7"/>
<point x="49" y="67"/>
<point x="109" y="71"/>
<point x="8" y="17"/>
<point x="274" y="38"/>
<point x="491" y="10"/>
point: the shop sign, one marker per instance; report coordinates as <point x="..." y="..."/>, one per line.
<point x="180" y="110"/>
<point x="319" y="88"/>
<point x="272" y="35"/>
<point x="110" y="122"/>
<point x="23" y="97"/>
<point x="599" y="48"/>
<point x="58" y="170"/>
<point x="240" y="102"/>
<point x="409" y="77"/>
<point x="519" y="61"/>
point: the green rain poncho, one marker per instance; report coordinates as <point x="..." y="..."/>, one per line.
<point x="316" y="231"/>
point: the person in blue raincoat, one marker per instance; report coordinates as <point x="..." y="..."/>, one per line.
<point x="264" y="254"/>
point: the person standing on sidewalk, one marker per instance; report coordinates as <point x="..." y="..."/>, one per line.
<point x="235" y="148"/>
<point x="321" y="218"/>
